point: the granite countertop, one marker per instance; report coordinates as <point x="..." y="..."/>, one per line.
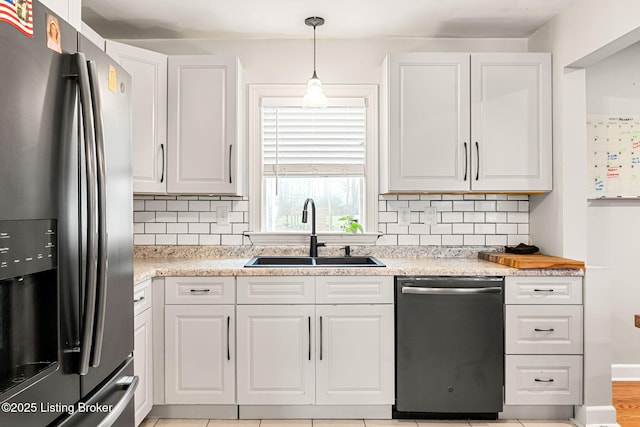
<point x="146" y="268"/>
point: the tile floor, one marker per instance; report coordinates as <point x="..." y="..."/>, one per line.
<point x="153" y="422"/>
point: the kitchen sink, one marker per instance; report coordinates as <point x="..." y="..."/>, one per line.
<point x="305" y="261"/>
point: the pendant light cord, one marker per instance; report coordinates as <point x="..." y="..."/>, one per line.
<point x="315" y="76"/>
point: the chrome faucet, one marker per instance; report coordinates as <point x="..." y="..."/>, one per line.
<point x="313" y="243"/>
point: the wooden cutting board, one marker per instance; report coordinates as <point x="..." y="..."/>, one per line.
<point x="530" y="261"/>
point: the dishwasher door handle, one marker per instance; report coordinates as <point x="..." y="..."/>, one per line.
<point x="450" y="291"/>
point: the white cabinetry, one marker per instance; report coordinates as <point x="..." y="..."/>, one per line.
<point x="69" y="10"/>
<point x="354" y="345"/>
<point x="466" y="122"/>
<point x="292" y="351"/>
<point x="275" y="360"/>
<point x="149" y="113"/>
<point x="543" y="341"/>
<point x="199" y="341"/>
<point x="142" y="350"/>
<point x="204" y="125"/>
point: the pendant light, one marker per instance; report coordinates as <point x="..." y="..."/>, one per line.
<point x="315" y="97"/>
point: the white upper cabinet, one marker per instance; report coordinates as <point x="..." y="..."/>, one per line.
<point x="149" y="110"/>
<point x="204" y="125"/>
<point x="69" y="10"/>
<point x="466" y="122"/>
<point x="428" y="101"/>
<point x="511" y="121"/>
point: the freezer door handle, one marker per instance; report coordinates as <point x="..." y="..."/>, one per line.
<point x="451" y="291"/>
<point x="101" y="287"/>
<point x="130" y="384"/>
<point x="89" y="281"/>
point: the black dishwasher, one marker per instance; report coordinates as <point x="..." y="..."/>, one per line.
<point x="449" y="347"/>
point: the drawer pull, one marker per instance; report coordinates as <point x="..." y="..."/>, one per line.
<point x="543" y="290"/>
<point x="544" y="330"/>
<point x="228" y="332"/>
<point x="538" y="380"/>
<point x="138" y="299"/>
<point x="309" y="337"/>
<point x="200" y="291"/>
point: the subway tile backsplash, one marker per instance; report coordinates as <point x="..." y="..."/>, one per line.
<point x="461" y="220"/>
<point x="190" y="220"/>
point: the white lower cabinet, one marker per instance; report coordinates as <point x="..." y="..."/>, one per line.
<point x="543" y="341"/>
<point x="275" y="360"/>
<point x="354" y="360"/>
<point x="323" y="354"/>
<point x="543" y="380"/>
<point x="199" y="339"/>
<point x="142" y="353"/>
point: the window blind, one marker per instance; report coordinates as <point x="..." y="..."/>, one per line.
<point x="305" y="141"/>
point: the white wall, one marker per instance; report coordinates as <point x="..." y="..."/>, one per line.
<point x="613" y="87"/>
<point x="338" y="61"/>
<point x="563" y="223"/>
<point x="583" y="34"/>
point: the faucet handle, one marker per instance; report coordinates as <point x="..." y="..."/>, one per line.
<point x="321" y="244"/>
<point x="347" y="250"/>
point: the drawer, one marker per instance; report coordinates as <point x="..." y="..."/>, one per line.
<point x="276" y="289"/>
<point x="199" y="290"/>
<point x="354" y="290"/>
<point x="543" y="380"/>
<point x="141" y="297"/>
<point x="543" y="329"/>
<point x="543" y="290"/>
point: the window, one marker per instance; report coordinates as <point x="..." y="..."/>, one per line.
<point x="327" y="154"/>
<point x="317" y="153"/>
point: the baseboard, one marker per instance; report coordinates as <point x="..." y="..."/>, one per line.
<point x="315" y="411"/>
<point x="595" y="416"/>
<point x="625" y="372"/>
<point x="222" y="412"/>
<point x="536" y="412"/>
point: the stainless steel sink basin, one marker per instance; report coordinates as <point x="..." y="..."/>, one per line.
<point x="305" y="261"/>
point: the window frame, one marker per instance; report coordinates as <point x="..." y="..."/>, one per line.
<point x="367" y="92"/>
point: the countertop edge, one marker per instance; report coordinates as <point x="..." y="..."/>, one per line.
<point x="149" y="268"/>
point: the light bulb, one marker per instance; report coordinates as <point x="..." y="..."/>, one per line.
<point x="315" y="97"/>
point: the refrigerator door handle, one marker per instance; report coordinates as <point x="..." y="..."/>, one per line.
<point x="101" y="288"/>
<point x="130" y="384"/>
<point x="89" y="280"/>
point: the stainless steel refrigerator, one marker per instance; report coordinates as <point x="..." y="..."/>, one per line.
<point x="66" y="252"/>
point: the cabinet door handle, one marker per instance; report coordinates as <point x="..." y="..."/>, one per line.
<point x="138" y="300"/>
<point x="466" y="161"/>
<point x="309" y="319"/>
<point x="538" y="380"/>
<point x="543" y="330"/>
<point x="477" y="161"/>
<point x="320" y="337"/>
<point x="162" y="173"/>
<point x="228" y="345"/>
<point x="230" y="151"/>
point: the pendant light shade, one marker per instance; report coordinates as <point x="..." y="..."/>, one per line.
<point x="315" y="97"/>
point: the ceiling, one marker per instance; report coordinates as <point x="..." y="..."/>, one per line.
<point x="273" y="19"/>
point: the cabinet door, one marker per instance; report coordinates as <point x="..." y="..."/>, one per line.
<point x="428" y="122"/>
<point x="203" y="124"/>
<point x="143" y="364"/>
<point x="354" y="362"/>
<point x="275" y="357"/>
<point x="149" y="113"/>
<point x="511" y="121"/>
<point x="199" y="356"/>
<point x="69" y="10"/>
